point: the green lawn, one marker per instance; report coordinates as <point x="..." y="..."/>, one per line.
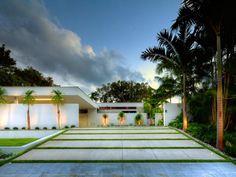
<point x="16" y="141"/>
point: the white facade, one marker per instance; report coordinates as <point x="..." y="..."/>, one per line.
<point x="171" y="110"/>
<point x="77" y="109"/>
<point x="158" y="116"/>
<point x="41" y="115"/>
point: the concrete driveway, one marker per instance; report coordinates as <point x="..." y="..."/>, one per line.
<point x="120" y="152"/>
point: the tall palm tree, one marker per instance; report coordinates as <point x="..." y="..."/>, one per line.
<point x="175" y="54"/>
<point x="57" y="98"/>
<point x="29" y="100"/>
<point x="212" y="15"/>
<point x="2" y="93"/>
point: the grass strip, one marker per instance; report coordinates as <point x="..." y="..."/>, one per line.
<point x="117" y="161"/>
<point x="120" y="148"/>
<point x="119" y="139"/>
<point x="205" y="145"/>
<point x="120" y="133"/>
<point x="16" y="141"/>
<point x="27" y="150"/>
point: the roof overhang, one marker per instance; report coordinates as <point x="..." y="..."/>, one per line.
<point x="43" y="95"/>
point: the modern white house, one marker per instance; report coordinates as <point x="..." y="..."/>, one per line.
<point x="77" y="109"/>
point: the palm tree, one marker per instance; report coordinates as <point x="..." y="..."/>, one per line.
<point x="29" y="100"/>
<point x="57" y="98"/>
<point x="175" y="54"/>
<point x="2" y="93"/>
<point x="212" y="15"/>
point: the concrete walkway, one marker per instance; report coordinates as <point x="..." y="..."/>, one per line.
<point x="118" y="170"/>
<point x="116" y="145"/>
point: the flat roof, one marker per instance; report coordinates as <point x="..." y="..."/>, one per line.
<point x="43" y="95"/>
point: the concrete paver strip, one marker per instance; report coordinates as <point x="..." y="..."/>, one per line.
<point x="116" y="154"/>
<point x="124" y="143"/>
<point x="119" y="169"/>
<point x="124" y="131"/>
<point x="122" y="136"/>
<point x="72" y="154"/>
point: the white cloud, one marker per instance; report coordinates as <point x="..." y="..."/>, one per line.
<point x="27" y="30"/>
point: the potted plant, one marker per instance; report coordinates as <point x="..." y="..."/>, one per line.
<point x="138" y="119"/>
<point x="121" y="118"/>
<point x="105" y="119"/>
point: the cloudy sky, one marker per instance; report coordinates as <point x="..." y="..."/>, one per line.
<point x="85" y="43"/>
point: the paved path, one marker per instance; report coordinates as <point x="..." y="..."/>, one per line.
<point x="133" y="147"/>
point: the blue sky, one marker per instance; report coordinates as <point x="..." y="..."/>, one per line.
<point x="85" y="42"/>
<point x="126" y="26"/>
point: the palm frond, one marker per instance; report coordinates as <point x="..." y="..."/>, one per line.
<point x="2" y="93"/>
<point x="29" y="97"/>
<point x="166" y="39"/>
<point x="57" y="97"/>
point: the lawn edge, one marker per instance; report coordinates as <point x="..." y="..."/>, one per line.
<point x="4" y="161"/>
<point x="207" y="146"/>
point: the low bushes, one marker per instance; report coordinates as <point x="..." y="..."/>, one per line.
<point x="204" y="132"/>
<point x="177" y="122"/>
<point x="207" y="134"/>
<point x="230" y="143"/>
<point x="4" y="156"/>
<point x="160" y="122"/>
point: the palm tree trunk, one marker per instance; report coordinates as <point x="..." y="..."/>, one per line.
<point x="58" y="116"/>
<point x="184" y="104"/>
<point x="213" y="110"/>
<point x="220" y="119"/>
<point x="28" y="117"/>
<point x="225" y="101"/>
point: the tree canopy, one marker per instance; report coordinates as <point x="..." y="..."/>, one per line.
<point x="11" y="75"/>
<point x="122" y="91"/>
<point x="200" y="44"/>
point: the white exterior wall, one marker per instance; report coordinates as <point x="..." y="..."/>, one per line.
<point x="158" y="116"/>
<point x="93" y="120"/>
<point x="112" y="118"/>
<point x="42" y="115"/>
<point x="171" y="110"/>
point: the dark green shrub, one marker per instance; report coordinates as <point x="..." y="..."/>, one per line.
<point x="15" y="128"/>
<point x="54" y="128"/>
<point x="230" y="143"/>
<point x="45" y="128"/>
<point x="23" y="128"/>
<point x="200" y="106"/>
<point x="204" y="132"/>
<point x="66" y="126"/>
<point x="4" y="156"/>
<point x="177" y="122"/>
<point x="37" y="128"/>
<point x="7" y="128"/>
<point x="72" y="126"/>
<point x="160" y="122"/>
